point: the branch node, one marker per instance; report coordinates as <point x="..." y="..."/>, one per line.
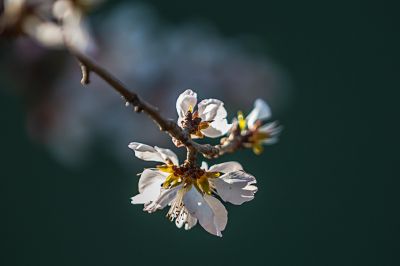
<point x="138" y="109"/>
<point x="85" y="74"/>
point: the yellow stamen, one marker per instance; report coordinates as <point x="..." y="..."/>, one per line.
<point x="190" y="108"/>
<point x="213" y="174"/>
<point x="203" y="185"/>
<point x="171" y="181"/>
<point x="165" y="168"/>
<point x="241" y="120"/>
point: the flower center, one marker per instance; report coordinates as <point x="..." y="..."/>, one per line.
<point x="253" y="136"/>
<point x="194" y="123"/>
<point x="188" y="175"/>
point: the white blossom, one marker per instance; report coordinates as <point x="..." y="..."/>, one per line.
<point x="188" y="191"/>
<point x="259" y="134"/>
<point x="211" y="112"/>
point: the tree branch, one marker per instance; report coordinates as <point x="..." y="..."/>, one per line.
<point x="140" y="105"/>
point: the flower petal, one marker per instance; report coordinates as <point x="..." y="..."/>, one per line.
<point x="167" y="154"/>
<point x="226" y="167"/>
<point x="186" y="100"/>
<point x="190" y="222"/>
<point x="220" y="212"/>
<point x="270" y="141"/>
<point x="261" y="111"/>
<point x="145" y="152"/>
<point x="217" y="128"/>
<point x="149" y="177"/>
<point x="204" y="165"/>
<point x="198" y="207"/>
<point x="214" y="110"/>
<point x="165" y="197"/>
<point x="149" y="186"/>
<point x="156" y="154"/>
<point x="273" y="130"/>
<point x="235" y="187"/>
<point x="211" y="109"/>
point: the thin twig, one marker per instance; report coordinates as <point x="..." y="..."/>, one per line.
<point x="141" y="105"/>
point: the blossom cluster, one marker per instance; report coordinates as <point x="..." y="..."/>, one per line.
<point x="192" y="191"/>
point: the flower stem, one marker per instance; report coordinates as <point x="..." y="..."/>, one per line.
<point x="191" y="156"/>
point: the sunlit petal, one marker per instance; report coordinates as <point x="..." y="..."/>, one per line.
<point x="211" y="109"/>
<point x="149" y="186"/>
<point x="261" y="111"/>
<point x="235" y="187"/>
<point x="185" y="101"/>
<point x="156" y="154"/>
<point x="204" y="165"/>
<point x="226" y="167"/>
<point x="167" y="154"/>
<point x="165" y="197"/>
<point x="217" y="128"/>
<point x="220" y="212"/>
<point x="199" y="208"/>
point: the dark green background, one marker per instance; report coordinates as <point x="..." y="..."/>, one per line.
<point x="328" y="191"/>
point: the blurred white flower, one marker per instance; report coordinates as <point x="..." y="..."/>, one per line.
<point x="36" y="18"/>
<point x="188" y="189"/>
<point x="74" y="29"/>
<point x="209" y="119"/>
<point x="257" y="133"/>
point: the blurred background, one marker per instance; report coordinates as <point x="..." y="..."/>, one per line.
<point x="328" y="193"/>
